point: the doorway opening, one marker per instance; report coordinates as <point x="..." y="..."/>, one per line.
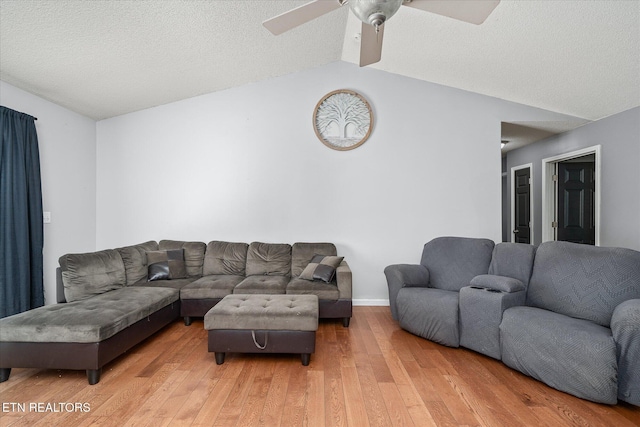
<point x="571" y="197"/>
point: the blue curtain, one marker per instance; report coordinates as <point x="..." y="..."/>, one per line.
<point x="21" y="229"/>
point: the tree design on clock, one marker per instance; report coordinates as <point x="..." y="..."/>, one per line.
<point x="343" y="120"/>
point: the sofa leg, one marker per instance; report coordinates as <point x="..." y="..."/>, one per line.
<point x="345" y="321"/>
<point x="187" y="320"/>
<point x="4" y="374"/>
<point x="219" y="358"/>
<point x="306" y="357"/>
<point x="93" y="376"/>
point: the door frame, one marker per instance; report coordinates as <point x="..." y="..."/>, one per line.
<point x="549" y="197"/>
<point x="513" y="201"/>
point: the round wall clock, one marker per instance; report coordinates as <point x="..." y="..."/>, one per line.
<point x="343" y="120"/>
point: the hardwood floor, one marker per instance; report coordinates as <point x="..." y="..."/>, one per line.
<point x="370" y="374"/>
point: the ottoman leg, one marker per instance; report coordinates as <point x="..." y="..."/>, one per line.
<point x="305" y="359"/>
<point x="219" y="358"/>
<point x="187" y="321"/>
<point x="93" y="376"/>
<point x="4" y="374"/>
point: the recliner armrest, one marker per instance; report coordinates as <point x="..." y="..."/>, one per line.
<point x="401" y="275"/>
<point x="625" y="327"/>
<point x="408" y="274"/>
<point x="497" y="283"/>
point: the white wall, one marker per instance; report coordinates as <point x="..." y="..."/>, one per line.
<point x="67" y="162"/>
<point x="245" y="165"/>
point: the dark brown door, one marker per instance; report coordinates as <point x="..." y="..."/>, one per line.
<point x="576" y="210"/>
<point x="522" y="206"/>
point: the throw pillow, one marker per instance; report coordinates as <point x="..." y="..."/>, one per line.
<point x="166" y="265"/>
<point x="321" y="267"/>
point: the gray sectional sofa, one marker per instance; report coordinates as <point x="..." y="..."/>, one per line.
<point x="110" y="300"/>
<point x="563" y="313"/>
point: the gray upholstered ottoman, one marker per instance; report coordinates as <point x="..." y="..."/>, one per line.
<point x="256" y="323"/>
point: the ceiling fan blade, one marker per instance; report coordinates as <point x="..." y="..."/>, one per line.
<point x="300" y="15"/>
<point x="370" y="44"/>
<point x="472" y="11"/>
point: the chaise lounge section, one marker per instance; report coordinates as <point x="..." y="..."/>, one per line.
<point x="102" y="319"/>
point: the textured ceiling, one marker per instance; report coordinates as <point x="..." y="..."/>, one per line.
<point x="106" y="58"/>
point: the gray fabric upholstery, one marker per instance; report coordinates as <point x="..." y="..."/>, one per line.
<point x="625" y="327"/>
<point x="264" y="312"/>
<point x="583" y="281"/>
<point x="453" y="261"/>
<point x="193" y="254"/>
<point x="213" y="286"/>
<point x="173" y="284"/>
<point x="87" y="321"/>
<point x="563" y="313"/>
<point x="481" y="313"/>
<point x="344" y="278"/>
<point x="325" y="291"/>
<point x="225" y="258"/>
<point x="499" y="283"/>
<point x="401" y="275"/>
<point x="301" y="254"/>
<point x="269" y="259"/>
<point x="89" y="274"/>
<point x="262" y="285"/>
<point x="513" y="260"/>
<point x="572" y="355"/>
<point x="135" y="260"/>
<point x="430" y="313"/>
<point x="504" y="287"/>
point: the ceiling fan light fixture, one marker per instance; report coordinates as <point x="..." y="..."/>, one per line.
<point x="374" y="12"/>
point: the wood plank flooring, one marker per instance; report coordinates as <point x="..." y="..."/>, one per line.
<point x="370" y="374"/>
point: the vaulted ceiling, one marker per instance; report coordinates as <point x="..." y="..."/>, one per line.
<point x="107" y="58"/>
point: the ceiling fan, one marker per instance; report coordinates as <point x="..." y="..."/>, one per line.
<point x="374" y="14"/>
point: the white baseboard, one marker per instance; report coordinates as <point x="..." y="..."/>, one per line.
<point x="370" y="302"/>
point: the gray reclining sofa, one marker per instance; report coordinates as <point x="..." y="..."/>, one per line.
<point x="107" y="304"/>
<point x="563" y="313"/>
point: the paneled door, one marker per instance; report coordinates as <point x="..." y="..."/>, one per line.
<point x="522" y="206"/>
<point x="576" y="189"/>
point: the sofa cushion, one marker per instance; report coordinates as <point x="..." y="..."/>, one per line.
<point x="89" y="274"/>
<point x="513" y="260"/>
<point x="193" y="254"/>
<point x="88" y="321"/>
<point x="321" y="267"/>
<point x="302" y="252"/>
<point x="582" y="281"/>
<point x="135" y="260"/>
<point x="209" y="287"/>
<point x="572" y="355"/>
<point x="324" y="291"/>
<point x="165" y="283"/>
<point x="167" y="264"/>
<point x="225" y="258"/>
<point x="268" y="259"/>
<point x="262" y="285"/>
<point x="453" y="261"/>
